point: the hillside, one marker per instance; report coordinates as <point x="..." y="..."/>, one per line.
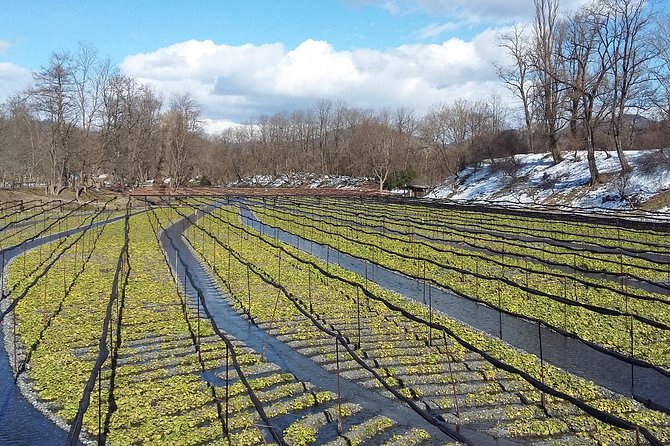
<point x="533" y="179"/>
<point x="306" y="180"/>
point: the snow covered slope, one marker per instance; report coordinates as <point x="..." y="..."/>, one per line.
<point x="308" y="180"/>
<point x="534" y="179"/>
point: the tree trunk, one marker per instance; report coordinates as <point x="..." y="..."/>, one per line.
<point x="625" y="167"/>
<point x="553" y="146"/>
<point x="591" y="156"/>
<point x="574" y="113"/>
<point x="529" y="127"/>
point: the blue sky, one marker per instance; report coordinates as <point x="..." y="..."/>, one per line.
<point x="242" y="59"/>
<point x="35" y="28"/>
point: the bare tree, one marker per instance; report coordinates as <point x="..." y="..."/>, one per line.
<point x="377" y="140"/>
<point x="546" y="68"/>
<point x="324" y="116"/>
<point x="90" y="77"/>
<point x="584" y="49"/>
<point x="129" y="138"/>
<point x="661" y="67"/>
<point x="405" y="124"/>
<point x="627" y="52"/>
<point x="53" y="98"/>
<point x="517" y="77"/>
<point x="180" y="125"/>
<point x="20" y="143"/>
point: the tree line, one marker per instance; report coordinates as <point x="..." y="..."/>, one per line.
<point x="597" y="79"/>
<point x="590" y="78"/>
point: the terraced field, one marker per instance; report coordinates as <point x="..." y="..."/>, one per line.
<point x="227" y="321"/>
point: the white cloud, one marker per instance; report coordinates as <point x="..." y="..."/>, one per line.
<point x="12" y="79"/>
<point x="4" y="46"/>
<point x="436" y="29"/>
<point x="214" y="126"/>
<point x="468" y="10"/>
<point x="236" y="82"/>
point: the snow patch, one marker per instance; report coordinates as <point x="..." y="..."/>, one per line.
<point x="533" y="179"/>
<point x="308" y="180"/>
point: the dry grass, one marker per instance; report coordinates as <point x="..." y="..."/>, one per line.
<point x="658" y="201"/>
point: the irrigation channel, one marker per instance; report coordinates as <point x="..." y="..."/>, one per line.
<point x="648" y="385"/>
<point x="249" y="219"/>
<point x="383" y="414"/>
<point x="21" y="423"/>
<point x="275" y="351"/>
<point x="625" y="281"/>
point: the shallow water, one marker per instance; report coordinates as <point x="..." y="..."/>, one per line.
<point x="21" y="424"/>
<point x="559" y="350"/>
<point x="289" y="360"/>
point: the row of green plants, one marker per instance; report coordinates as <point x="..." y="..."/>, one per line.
<point x="337" y="304"/>
<point x="18" y="212"/>
<point x="499" y="255"/>
<point x="620" y="265"/>
<point x="564" y="229"/>
<point x="16" y="234"/>
<point x="50" y="223"/>
<point x="281" y="393"/>
<point x="33" y="268"/>
<point x="504" y="285"/>
<point x="148" y="386"/>
<point x="61" y="326"/>
<point x="605" y="232"/>
<point x="159" y="395"/>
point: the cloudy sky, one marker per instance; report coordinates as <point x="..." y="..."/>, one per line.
<point x="243" y="59"/>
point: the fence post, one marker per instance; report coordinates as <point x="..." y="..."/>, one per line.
<point x="339" y="396"/>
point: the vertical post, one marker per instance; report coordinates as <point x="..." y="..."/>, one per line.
<point x="539" y="334"/>
<point x="309" y="281"/>
<point x="2" y="276"/>
<point x="565" y="304"/>
<point x="500" y="311"/>
<point x="248" y="292"/>
<point x="632" y="355"/>
<point x="227" y="389"/>
<point x="477" y="276"/>
<point x="430" y="315"/>
<point x="339" y="396"/>
<point x="327" y="258"/>
<point x="197" y="347"/>
<point x="185" y="292"/>
<point x="64" y="284"/>
<point x="338" y="243"/>
<point x="176" y="273"/>
<point x="358" y="315"/>
<point x="214" y="243"/>
<point x="230" y="287"/>
<point x="451" y="374"/>
<point x="99" y="406"/>
<point x="366" y="273"/>
<point x="16" y="364"/>
<point x="46" y="279"/>
<point x="424" y="282"/>
<point x="574" y="275"/>
<point x="279" y="266"/>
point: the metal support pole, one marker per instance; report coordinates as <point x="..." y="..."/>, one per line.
<point x="339" y="396"/>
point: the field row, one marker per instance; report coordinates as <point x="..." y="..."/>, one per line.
<point x="123" y="327"/>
